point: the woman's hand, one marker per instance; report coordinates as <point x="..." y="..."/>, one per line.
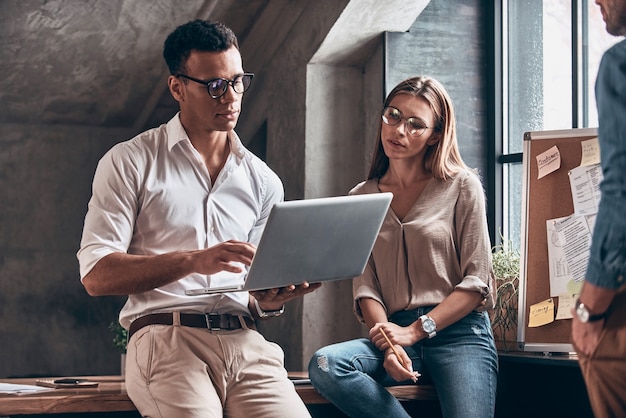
<point x="404" y="336"/>
<point x="399" y="365"/>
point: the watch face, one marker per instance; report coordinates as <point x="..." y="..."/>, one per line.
<point x="428" y="325"/>
<point x="582" y="312"/>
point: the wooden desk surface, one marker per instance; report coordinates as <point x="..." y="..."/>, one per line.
<point x="111" y="396"/>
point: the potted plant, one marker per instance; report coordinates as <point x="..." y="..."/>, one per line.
<point x="120" y="339"/>
<point x="506" y="268"/>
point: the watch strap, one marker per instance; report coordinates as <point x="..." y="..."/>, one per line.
<point x="598" y="317"/>
<point x="267" y="314"/>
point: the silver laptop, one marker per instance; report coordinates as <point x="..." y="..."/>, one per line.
<point x="313" y="240"/>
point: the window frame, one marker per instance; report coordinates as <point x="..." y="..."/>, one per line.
<point x="498" y="102"/>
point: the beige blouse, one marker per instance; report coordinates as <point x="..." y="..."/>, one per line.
<point x="442" y="244"/>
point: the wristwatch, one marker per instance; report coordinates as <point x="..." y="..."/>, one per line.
<point x="584" y="315"/>
<point x="267" y="314"/>
<point x="428" y="325"/>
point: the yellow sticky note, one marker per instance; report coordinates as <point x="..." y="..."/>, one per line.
<point x="541" y="313"/>
<point x="590" y="152"/>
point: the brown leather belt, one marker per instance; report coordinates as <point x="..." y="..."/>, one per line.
<point x="211" y="322"/>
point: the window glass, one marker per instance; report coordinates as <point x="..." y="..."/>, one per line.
<point x="524" y="80"/>
<point x="557" y="65"/>
<point x="513" y="203"/>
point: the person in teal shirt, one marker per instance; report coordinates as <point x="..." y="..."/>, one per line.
<point x="599" y="324"/>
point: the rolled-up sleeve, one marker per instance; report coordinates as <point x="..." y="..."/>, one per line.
<point x="366" y="286"/>
<point x="111" y="213"/>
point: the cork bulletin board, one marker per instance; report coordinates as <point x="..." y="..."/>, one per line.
<point x="543" y="199"/>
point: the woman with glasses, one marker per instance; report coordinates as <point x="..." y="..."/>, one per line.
<point x="429" y="279"/>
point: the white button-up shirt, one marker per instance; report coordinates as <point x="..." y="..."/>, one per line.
<point x="153" y="195"/>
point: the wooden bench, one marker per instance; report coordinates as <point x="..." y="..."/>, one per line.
<point x="111" y="396"/>
<point x="310" y="396"/>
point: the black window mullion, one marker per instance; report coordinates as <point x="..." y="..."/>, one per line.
<point x="574" y="63"/>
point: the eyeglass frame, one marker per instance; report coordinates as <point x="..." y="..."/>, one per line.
<point x="228" y="82"/>
<point x="406" y="127"/>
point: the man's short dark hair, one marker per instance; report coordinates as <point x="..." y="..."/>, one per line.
<point x="201" y="35"/>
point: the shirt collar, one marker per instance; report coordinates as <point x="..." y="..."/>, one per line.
<point x="176" y="133"/>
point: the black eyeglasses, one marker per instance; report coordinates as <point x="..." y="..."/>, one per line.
<point x="218" y="86"/>
<point x="413" y="126"/>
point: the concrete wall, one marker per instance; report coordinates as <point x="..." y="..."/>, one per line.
<point x="48" y="324"/>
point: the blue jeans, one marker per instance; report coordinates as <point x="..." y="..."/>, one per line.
<point x="461" y="361"/>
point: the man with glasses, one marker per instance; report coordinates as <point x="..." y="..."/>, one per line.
<point x="182" y="206"/>
<point x="599" y="324"/>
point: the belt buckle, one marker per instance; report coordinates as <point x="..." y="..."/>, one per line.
<point x="210" y="327"/>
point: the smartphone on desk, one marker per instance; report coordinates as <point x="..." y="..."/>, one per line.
<point x="67" y="382"/>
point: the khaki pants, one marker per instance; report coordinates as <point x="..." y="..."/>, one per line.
<point x="605" y="370"/>
<point x="183" y="372"/>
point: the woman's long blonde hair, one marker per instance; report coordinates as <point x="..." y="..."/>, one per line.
<point x="442" y="158"/>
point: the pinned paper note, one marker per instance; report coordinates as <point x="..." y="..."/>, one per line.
<point x="585" y="185"/>
<point x="541" y="313"/>
<point x="566" y="303"/>
<point x="557" y="263"/>
<point x="18" y="389"/>
<point x="548" y="161"/>
<point x="590" y="152"/>
<point x="575" y="236"/>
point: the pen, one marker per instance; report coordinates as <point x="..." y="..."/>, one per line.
<point x="409" y="367"/>
<point x="382" y="331"/>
